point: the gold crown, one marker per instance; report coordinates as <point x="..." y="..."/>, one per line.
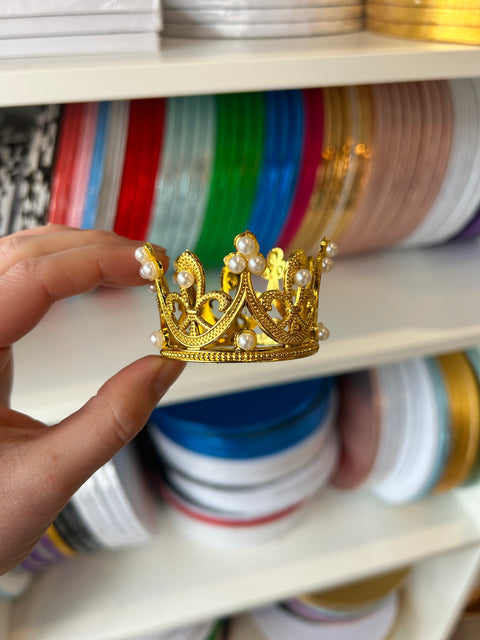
<point x="237" y="323"/>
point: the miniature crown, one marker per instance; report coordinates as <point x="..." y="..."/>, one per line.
<point x="237" y="323"/>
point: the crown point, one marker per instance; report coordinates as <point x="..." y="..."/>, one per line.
<point x="152" y="287"/>
<point x="327" y="265"/>
<point x="246" y="340"/>
<point x="303" y="277"/>
<point x="149" y="271"/>
<point x="323" y="333"/>
<point x="141" y="254"/>
<point x="257" y="265"/>
<point x="236" y="264"/>
<point x="246" y="245"/>
<point x="331" y="250"/>
<point x="185" y="279"/>
<point x="156" y="338"/>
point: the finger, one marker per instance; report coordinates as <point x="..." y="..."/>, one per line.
<point x="78" y="446"/>
<point x="40" y="230"/>
<point x="29" y="288"/>
<point x="18" y="247"/>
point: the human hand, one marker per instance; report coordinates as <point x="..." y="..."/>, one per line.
<point x="40" y="467"/>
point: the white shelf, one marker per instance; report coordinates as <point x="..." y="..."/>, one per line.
<point x="431" y="600"/>
<point x="379" y="308"/>
<point x="175" y="581"/>
<point x="4" y="619"/>
<point x="437" y="591"/>
<point x="187" y="67"/>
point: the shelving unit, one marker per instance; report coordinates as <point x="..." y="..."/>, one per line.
<point x="112" y="596"/>
<point x="439" y="608"/>
<point x="379" y="308"/>
<point x="187" y="67"/>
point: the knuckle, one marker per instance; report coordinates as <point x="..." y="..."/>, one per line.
<point x="102" y="236"/>
<point x="124" y="425"/>
<point x="10" y="246"/>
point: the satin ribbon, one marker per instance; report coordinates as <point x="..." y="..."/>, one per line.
<point x="471" y="230"/>
<point x="275" y="133"/>
<point x="311" y="159"/>
<point x="258" y="409"/>
<point x="68" y="142"/>
<point x="445" y="440"/>
<point x="145" y="133"/>
<point x="218" y="193"/>
<point x="464" y="404"/>
<point x="473" y="358"/>
<point x="97" y="167"/>
<point x="82" y="165"/>
<point x="73" y="530"/>
<point x="290" y="160"/>
<point x="271" y="30"/>
<point x="248" y="123"/>
<point x="457" y="17"/>
<point x="251" y="445"/>
<point x="211" y="517"/>
<point x="114" y="159"/>
<point x="56" y="539"/>
<point x="443" y="33"/>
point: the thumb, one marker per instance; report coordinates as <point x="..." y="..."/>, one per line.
<point x="79" y="445"/>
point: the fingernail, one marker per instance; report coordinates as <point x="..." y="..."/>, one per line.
<point x="168" y="373"/>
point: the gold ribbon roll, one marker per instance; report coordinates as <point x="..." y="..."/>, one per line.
<point x="461" y="35"/>
<point x="424" y="16"/>
<point x="430" y="4"/>
<point x="57" y="540"/>
<point x="464" y="413"/>
<point x="357" y="595"/>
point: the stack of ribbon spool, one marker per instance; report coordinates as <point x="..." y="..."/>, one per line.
<point x="442" y="20"/>
<point x="261" y="18"/>
<point x="238" y="469"/>
<point x="366" y="609"/>
<point x="411" y="429"/>
<point x="63" y="27"/>
<point x="114" y="509"/>
<point x="370" y="167"/>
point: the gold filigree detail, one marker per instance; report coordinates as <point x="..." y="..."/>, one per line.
<point x="204" y="326"/>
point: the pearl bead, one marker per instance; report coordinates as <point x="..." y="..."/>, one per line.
<point x="141" y="255"/>
<point x="247" y="340"/>
<point x="149" y="271"/>
<point x="246" y="245"/>
<point x="257" y="265"/>
<point x="236" y="264"/>
<point x="156" y="338"/>
<point x="327" y="265"/>
<point x="185" y="279"/>
<point x="331" y="250"/>
<point x="152" y="287"/>
<point x="323" y="333"/>
<point x="303" y="277"/>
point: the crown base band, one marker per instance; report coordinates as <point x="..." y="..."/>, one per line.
<point x="257" y="355"/>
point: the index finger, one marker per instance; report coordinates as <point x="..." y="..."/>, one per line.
<point x="31" y="286"/>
